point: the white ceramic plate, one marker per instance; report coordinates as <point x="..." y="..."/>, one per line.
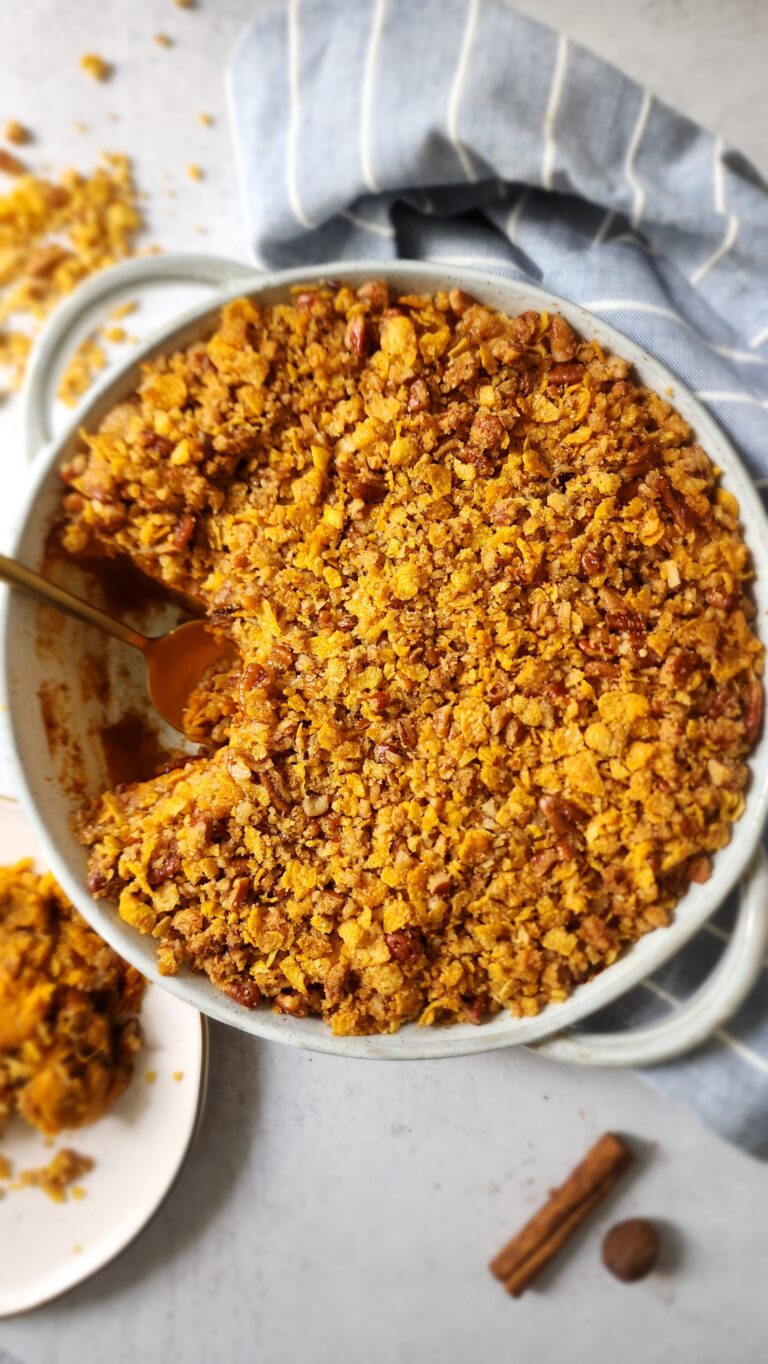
<point x="138" y="1148"/>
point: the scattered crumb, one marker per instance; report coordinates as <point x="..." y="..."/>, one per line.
<point x="123" y="310"/>
<point x="206" y="120"/>
<point x="150" y="1077"/>
<point x="194" y="172"/>
<point x="79" y="374"/>
<point x="80" y="127"/>
<point x="16" y="132"/>
<point x="6" y="1169"/>
<point x="115" y="334"/>
<point x="96" y="67"/>
<point x="77" y="1191"/>
<point x="54" y="234"/>
<point x="11" y="164"/>
<point x="57" y="1176"/>
<point x="163" y="40"/>
<point x="178" y="1075"/>
<point x="77" y="1248"/>
<point x="185" y="4"/>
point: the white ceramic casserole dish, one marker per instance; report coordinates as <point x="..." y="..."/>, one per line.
<point x="62" y="669"/>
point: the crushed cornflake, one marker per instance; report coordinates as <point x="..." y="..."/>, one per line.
<point x="86" y="362"/>
<point x="58" y="1175"/>
<point x="477" y="741"/>
<point x="206" y="120"/>
<point x="53" y="235"/>
<point x="194" y="172"/>
<point x="10" y="164"/>
<point x="96" y="67"/>
<point x="163" y="40"/>
<point x="122" y="310"/>
<point x="16" y="132"/>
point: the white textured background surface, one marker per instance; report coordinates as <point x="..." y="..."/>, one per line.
<point x="344" y="1211"/>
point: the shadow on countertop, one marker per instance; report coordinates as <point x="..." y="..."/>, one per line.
<point x="208" y="1180"/>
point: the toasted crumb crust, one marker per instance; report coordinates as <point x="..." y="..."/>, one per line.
<point x="68" y="1006"/>
<point x="498" y="680"/>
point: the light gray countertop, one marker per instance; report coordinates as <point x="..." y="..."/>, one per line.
<point x="341" y="1211"/>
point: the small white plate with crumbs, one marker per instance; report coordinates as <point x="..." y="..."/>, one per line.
<point x="121" y="1167"/>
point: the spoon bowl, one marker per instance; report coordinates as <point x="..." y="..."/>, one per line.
<point x="175" y="661"/>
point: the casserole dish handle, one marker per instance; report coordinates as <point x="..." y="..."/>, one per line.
<point x="57" y="338"/>
<point x="703" y="1013"/>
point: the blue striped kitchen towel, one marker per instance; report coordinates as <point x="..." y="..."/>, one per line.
<point x="457" y="131"/>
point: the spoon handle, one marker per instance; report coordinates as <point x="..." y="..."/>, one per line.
<point x="18" y="576"/>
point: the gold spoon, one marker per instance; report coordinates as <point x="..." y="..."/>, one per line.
<point x="175" y="661"/>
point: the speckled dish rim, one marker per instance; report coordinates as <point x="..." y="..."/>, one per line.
<point x="26" y="734"/>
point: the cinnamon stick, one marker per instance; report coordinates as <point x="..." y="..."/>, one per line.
<point x="535" y="1245"/>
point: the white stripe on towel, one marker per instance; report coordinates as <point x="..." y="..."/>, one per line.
<point x="379" y="229"/>
<point x="368" y="80"/>
<point x="759" y="338"/>
<point x="637" y="305"/>
<point x="513" y="221"/>
<point x="744" y="357"/>
<point x="753" y="1058"/>
<point x="604" y="228"/>
<point x="629" y="161"/>
<point x="293" y="125"/>
<point x="715" y="929"/>
<point x="715" y="396"/>
<point x="553" y="103"/>
<point x="732" y="226"/>
<point x="454" y="102"/>
<point x="475" y="263"/>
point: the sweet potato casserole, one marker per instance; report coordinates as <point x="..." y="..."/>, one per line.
<point x="68" y="1006"/>
<point x="498" y="677"/>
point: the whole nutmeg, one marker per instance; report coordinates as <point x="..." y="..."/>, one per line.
<point x="631" y="1249"/>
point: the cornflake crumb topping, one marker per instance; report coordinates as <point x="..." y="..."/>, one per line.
<point x="498" y="674"/>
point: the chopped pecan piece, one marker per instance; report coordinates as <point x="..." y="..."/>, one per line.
<point x="405" y="945"/>
<point x="164" y="868"/>
<point x="369" y="489"/>
<point x="676" y="504"/>
<point x="375" y="292"/>
<point x="183" y="531"/>
<point x="357" y="337"/>
<point x="753" y="711"/>
<point x="566" y="374"/>
<point x="564" y="815"/>
<point x="245" y="991"/>
<point x="562" y="341"/>
<point x="418" y="396"/>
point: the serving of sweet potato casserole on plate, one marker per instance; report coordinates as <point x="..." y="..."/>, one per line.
<point x="69" y="1029"/>
<point x="497" y="674"/>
